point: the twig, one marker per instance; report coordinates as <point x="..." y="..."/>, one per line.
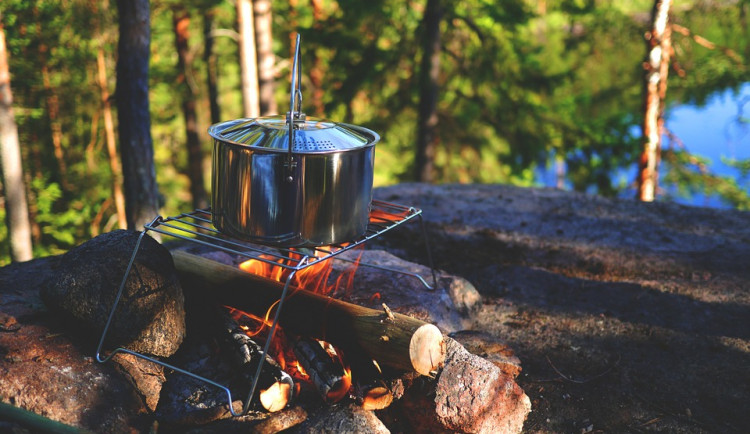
<point x="584" y="381"/>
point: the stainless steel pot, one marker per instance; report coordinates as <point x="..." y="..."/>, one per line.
<point x="292" y="181"/>
<point x="319" y="194"/>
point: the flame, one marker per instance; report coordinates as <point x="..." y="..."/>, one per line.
<point x="339" y="392"/>
<point x="315" y="278"/>
<point x="312" y="278"/>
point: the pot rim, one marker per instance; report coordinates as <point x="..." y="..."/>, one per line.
<point x="216" y="130"/>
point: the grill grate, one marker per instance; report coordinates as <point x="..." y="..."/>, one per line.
<point x="196" y="227"/>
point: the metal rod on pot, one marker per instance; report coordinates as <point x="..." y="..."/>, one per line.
<point x="295" y="96"/>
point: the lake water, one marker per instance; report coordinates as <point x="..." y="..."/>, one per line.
<point x="715" y="131"/>
<point x="712" y="131"/>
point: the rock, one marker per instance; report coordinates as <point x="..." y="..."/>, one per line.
<point x="150" y="317"/>
<point x="490" y="348"/>
<point x="448" y="306"/>
<point x="45" y="370"/>
<point x="342" y="418"/>
<point x="470" y="395"/>
<point x="147" y="378"/>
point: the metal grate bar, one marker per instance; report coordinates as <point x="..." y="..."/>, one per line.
<point x="196" y="226"/>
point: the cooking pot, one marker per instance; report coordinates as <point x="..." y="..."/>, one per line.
<point x="292" y="181"/>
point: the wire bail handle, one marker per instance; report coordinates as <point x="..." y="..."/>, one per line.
<point x="295" y="114"/>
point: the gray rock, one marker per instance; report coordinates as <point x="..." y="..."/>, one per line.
<point x="150" y="317"/>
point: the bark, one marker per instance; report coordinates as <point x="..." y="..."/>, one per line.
<point x="181" y="23"/>
<point x="16" y="207"/>
<point x="53" y="106"/>
<point x="293" y="23"/>
<point x="428" y="93"/>
<point x="392" y="339"/>
<point x="316" y="71"/>
<point x="656" y="65"/>
<point x="211" y="66"/>
<point x="53" y="112"/>
<point x="248" y="59"/>
<point x="264" y="42"/>
<point x="136" y="145"/>
<point x="109" y="133"/>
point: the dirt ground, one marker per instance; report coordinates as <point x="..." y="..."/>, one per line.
<point x="627" y="317"/>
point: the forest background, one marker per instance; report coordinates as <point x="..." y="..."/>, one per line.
<point x="522" y="84"/>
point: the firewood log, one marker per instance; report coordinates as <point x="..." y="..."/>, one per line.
<point x="326" y="374"/>
<point x="275" y="387"/>
<point x="370" y="390"/>
<point x="393" y="339"/>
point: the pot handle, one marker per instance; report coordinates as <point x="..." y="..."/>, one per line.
<point x="295" y="102"/>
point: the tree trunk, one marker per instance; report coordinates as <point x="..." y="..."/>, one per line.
<point x="428" y="93"/>
<point x="109" y="133"/>
<point x="248" y="59"/>
<point x="16" y="207"/>
<point x="53" y="112"/>
<point x="181" y="22"/>
<point x="211" y="66"/>
<point x="264" y="41"/>
<point x="656" y="65"/>
<point x="136" y="145"/>
<point x="316" y="71"/>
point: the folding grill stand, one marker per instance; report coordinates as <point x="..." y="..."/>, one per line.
<point x="196" y="227"/>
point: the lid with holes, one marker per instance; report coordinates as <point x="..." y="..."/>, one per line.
<point x="311" y="135"/>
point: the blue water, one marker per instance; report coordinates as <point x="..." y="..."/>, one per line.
<point x="719" y="129"/>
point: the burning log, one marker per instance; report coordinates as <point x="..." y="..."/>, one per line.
<point x="370" y="390"/>
<point x="326" y="374"/>
<point x="275" y="386"/>
<point x="393" y="339"/>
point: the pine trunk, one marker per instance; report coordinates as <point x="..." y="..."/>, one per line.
<point x="316" y="71"/>
<point x="248" y="58"/>
<point x="16" y="207"/>
<point x="211" y="66"/>
<point x="264" y="42"/>
<point x="181" y="23"/>
<point x="109" y="133"/>
<point x="428" y="93"/>
<point x="134" y="120"/>
<point x="656" y="64"/>
<point x="53" y="113"/>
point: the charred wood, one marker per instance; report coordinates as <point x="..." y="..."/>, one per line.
<point x="326" y="373"/>
<point x="275" y="387"/>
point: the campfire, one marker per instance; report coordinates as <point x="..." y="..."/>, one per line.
<point x="280" y="305"/>
<point x="252" y="300"/>
<point x="332" y="360"/>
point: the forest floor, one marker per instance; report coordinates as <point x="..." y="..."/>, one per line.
<point x="626" y="316"/>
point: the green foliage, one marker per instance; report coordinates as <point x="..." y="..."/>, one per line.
<point x="688" y="176"/>
<point x="519" y="88"/>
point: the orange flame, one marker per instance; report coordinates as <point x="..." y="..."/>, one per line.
<point x="311" y="278"/>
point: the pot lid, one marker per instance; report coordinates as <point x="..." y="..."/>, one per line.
<point x="311" y="135"/>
